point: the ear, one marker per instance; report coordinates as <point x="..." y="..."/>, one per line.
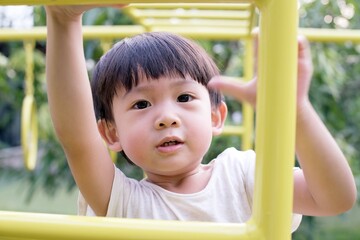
<point x="218" y="117"/>
<point x="109" y="134"/>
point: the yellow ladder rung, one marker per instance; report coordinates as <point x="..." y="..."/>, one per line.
<point x="233" y="130"/>
<point x="214" y="6"/>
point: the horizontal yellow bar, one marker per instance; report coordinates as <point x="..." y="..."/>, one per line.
<point x="214" y="6"/>
<point x="76" y="2"/>
<point x="331" y="35"/>
<point x="32" y="226"/>
<point x="10" y="34"/>
<point x="114" y="32"/>
<point x="97" y="32"/>
<point x="120" y="31"/>
<point x="181" y="13"/>
<point x="233" y="130"/>
<point x="89" y="32"/>
<point x="209" y="33"/>
<point x="194" y="23"/>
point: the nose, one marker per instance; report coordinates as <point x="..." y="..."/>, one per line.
<point x="167" y="118"/>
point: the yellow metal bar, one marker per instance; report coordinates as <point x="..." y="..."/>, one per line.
<point x="252" y="20"/>
<point x="77" y="2"/>
<point x="331" y="35"/>
<point x="10" y="34"/>
<point x="205" y="32"/>
<point x="233" y="130"/>
<point x="29" y="130"/>
<point x="195" y="22"/>
<point x="98" y="32"/>
<point x="228" y="33"/>
<point x="32" y="226"/>
<point x="29" y="47"/>
<point x="89" y="32"/>
<point x="248" y="112"/>
<point x="193" y="13"/>
<point x="214" y="6"/>
<point x="275" y="125"/>
<point x="168" y="15"/>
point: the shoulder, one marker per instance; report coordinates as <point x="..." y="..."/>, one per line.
<point x="236" y="157"/>
<point x="233" y="152"/>
<point x="232" y="162"/>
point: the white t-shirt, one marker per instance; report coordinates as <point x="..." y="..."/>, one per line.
<point x="227" y="198"/>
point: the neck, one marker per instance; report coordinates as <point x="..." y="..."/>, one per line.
<point x="186" y="183"/>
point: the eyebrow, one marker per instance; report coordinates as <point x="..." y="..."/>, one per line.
<point x="149" y="87"/>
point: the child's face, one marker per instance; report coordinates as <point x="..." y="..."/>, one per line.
<point x="165" y="126"/>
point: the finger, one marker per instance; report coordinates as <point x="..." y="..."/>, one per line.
<point x="241" y="91"/>
<point x="304" y="56"/>
<point x="255" y="34"/>
<point x="303" y="47"/>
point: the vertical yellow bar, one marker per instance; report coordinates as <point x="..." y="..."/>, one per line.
<point x="248" y="113"/>
<point x="276" y="115"/>
<point x="29" y="129"/>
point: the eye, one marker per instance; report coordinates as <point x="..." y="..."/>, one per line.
<point x="141" y="104"/>
<point x="185" y="98"/>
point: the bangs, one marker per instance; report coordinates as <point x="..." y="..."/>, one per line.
<point x="152" y="57"/>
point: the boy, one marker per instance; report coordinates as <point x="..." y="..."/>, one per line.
<point x="154" y="101"/>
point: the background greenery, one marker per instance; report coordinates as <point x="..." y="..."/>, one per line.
<point x="333" y="92"/>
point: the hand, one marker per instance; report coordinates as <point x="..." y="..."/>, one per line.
<point x="305" y="71"/>
<point x="246" y="91"/>
<point x="241" y="91"/>
<point x="73" y="12"/>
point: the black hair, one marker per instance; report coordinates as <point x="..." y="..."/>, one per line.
<point x="150" y="55"/>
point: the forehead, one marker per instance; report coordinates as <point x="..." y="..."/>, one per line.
<point x="162" y="83"/>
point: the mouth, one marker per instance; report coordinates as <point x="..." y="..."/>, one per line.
<point x="170" y="142"/>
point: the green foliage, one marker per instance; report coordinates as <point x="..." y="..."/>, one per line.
<point x="335" y="84"/>
<point x="12" y="75"/>
<point x="334" y="94"/>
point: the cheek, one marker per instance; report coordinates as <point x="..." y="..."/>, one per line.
<point x="133" y="135"/>
<point x="133" y="148"/>
<point x="201" y="130"/>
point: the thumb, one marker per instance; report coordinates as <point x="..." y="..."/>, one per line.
<point x="303" y="47"/>
<point x="240" y="90"/>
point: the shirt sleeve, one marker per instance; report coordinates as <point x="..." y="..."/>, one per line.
<point x="117" y="195"/>
<point x="83" y="207"/>
<point x="114" y="207"/>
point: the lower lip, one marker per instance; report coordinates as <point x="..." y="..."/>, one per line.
<point x="169" y="149"/>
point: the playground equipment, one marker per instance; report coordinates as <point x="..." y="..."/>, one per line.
<point x="233" y="20"/>
<point x="28" y="113"/>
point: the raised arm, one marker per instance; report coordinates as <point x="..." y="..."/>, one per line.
<point x="71" y="107"/>
<point x="325" y="186"/>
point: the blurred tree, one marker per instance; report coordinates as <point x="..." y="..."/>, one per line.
<point x="333" y="91"/>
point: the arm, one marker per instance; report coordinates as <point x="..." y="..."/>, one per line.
<point x="71" y="107"/>
<point x="325" y="186"/>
